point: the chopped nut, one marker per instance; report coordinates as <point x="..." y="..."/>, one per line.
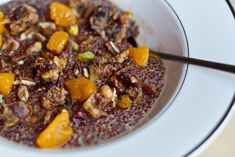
<point x="124" y="19"/>
<point x="59" y="62"/>
<point x="114" y="98"/>
<point x="1" y="99"/>
<point x="106" y="92"/>
<point x="76" y="72"/>
<point x="23" y="93"/>
<point x="9" y="118"/>
<point x="18" y="58"/>
<point x="86" y="73"/>
<point x="21" y="109"/>
<point x="24" y="82"/>
<point x="118" y="85"/>
<point x="47" y="117"/>
<point x="46" y="104"/>
<point x="3" y="64"/>
<point x="20" y="62"/>
<point x="115" y="48"/>
<point x="10" y="46"/>
<point x="93" y="75"/>
<point x="54" y="97"/>
<point x="39" y="37"/>
<point x="47" y="28"/>
<point x="135" y="93"/>
<point x="78" y="5"/>
<point x="120" y="58"/>
<point x="90" y="108"/>
<point x="103" y="71"/>
<point x="51" y="75"/>
<point x="34" y="48"/>
<point x="133" y="80"/>
<point x="28" y="83"/>
<point x="73" y="30"/>
<point x="22" y="17"/>
<point x="149" y="91"/>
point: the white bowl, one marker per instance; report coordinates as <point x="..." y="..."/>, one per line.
<point x="193" y="110"/>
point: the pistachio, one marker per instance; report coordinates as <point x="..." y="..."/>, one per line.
<point x="75" y="46"/>
<point x="86" y="57"/>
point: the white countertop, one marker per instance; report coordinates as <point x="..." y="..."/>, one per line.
<point x="223" y="146"/>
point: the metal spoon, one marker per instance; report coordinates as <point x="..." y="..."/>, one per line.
<point x="194" y="61"/>
<point x="188" y="60"/>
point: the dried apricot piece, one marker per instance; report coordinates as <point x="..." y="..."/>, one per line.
<point x="1" y="40"/>
<point x="2" y="23"/>
<point x="6" y="83"/>
<point x="62" y="14"/>
<point x="57" y="42"/>
<point x="57" y="132"/>
<point x="2" y="28"/>
<point x="1" y="16"/>
<point x="140" y="55"/>
<point x="81" y="88"/>
<point x="125" y="102"/>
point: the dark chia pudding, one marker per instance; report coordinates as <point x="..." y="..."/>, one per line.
<point x="69" y="76"/>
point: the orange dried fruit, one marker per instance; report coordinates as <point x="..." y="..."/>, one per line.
<point x="140" y="55"/>
<point x="2" y="28"/>
<point x="1" y="40"/>
<point x="125" y="102"/>
<point x="2" y="23"/>
<point x="1" y="16"/>
<point x="62" y="14"/>
<point x="81" y="88"/>
<point x="6" y="83"/>
<point x="57" y="42"/>
<point x="57" y="132"/>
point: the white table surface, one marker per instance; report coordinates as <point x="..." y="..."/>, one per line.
<point x="223" y="146"/>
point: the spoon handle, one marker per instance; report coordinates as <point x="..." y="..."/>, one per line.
<point x="194" y="61"/>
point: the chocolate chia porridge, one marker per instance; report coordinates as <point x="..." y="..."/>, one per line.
<point x="68" y="75"/>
